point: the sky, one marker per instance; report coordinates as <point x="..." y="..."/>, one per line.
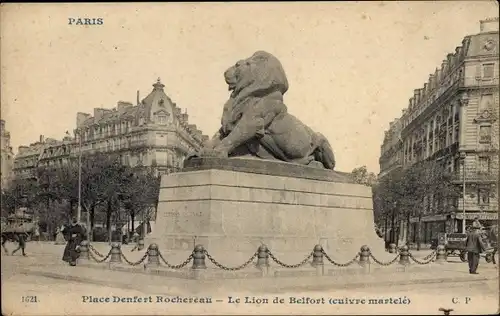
<point x="351" y="66"/>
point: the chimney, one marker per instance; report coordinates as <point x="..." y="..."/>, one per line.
<point x="443" y="65"/>
<point x="98" y="112"/>
<point x="184" y="117"/>
<point x="81" y="118"/>
<point x="138" y="98"/>
<point x="431" y="81"/>
<point x="122" y="105"/>
<point x="41" y="138"/>
<point x="424" y="90"/>
<point x="488" y="25"/>
<point x="2" y="125"/>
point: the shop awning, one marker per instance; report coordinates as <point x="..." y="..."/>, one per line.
<point x="485" y="216"/>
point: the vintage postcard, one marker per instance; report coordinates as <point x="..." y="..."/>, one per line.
<point x="267" y="158"/>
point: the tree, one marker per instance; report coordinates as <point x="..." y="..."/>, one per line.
<point x="362" y="176"/>
<point x="140" y="192"/>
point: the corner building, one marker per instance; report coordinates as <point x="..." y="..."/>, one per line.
<point x="153" y="133"/>
<point x="7" y="156"/>
<point x="453" y="119"/>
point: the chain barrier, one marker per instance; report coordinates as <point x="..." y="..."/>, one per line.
<point x="137" y="262"/>
<point x="426" y="261"/>
<point x="95" y="250"/>
<point x="290" y="265"/>
<point x="100" y="260"/>
<point x="432" y="254"/>
<point x="340" y="264"/>
<point x="384" y="263"/>
<point x="179" y="266"/>
<point x="219" y="265"/>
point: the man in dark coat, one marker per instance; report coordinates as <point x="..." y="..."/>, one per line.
<point x="76" y="234"/>
<point x="474" y="246"/>
<point x="21" y="239"/>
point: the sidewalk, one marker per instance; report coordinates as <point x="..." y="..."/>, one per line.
<point x="154" y="284"/>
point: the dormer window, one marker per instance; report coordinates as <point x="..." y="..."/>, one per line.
<point x="162" y="119"/>
<point x="161" y="103"/>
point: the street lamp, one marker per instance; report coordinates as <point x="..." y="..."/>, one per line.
<point x="79" y="211"/>
<point x="79" y="214"/>
<point x="462" y="157"/>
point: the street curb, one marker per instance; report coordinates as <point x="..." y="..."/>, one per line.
<point x="270" y="287"/>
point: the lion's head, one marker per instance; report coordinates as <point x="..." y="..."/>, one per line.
<point x="260" y="74"/>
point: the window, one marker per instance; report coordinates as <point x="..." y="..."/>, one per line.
<point x="457" y="135"/>
<point x="486" y="102"/>
<point x="483" y="196"/>
<point x="162" y="119"/>
<point x="484" y="165"/>
<point x="488" y="71"/>
<point x="485" y="134"/>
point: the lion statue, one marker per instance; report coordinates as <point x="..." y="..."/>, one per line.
<point x="255" y="120"/>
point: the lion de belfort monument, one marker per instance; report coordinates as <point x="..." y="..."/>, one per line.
<point x="264" y="178"/>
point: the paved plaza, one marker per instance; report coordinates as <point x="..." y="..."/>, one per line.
<point x="61" y="289"/>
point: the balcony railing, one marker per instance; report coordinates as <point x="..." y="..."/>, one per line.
<point x="475" y="177"/>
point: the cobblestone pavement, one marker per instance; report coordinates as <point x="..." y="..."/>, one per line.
<point x="62" y="291"/>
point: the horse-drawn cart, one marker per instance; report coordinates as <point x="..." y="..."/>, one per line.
<point x="454" y="244"/>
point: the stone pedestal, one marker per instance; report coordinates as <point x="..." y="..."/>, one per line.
<point x="232" y="206"/>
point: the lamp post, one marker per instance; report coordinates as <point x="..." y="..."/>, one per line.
<point x="79" y="212"/>
<point x="464" y="101"/>
<point x="462" y="157"/>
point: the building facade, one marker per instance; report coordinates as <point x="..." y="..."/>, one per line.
<point x="7" y="156"/>
<point x="453" y="119"/>
<point x="390" y="151"/>
<point x="152" y="133"/>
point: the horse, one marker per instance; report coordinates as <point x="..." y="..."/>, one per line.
<point x="491" y="237"/>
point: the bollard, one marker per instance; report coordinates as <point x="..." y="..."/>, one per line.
<point x="364" y="255"/>
<point x="84" y="250"/>
<point x="116" y="253"/>
<point x="404" y="255"/>
<point x="441" y="254"/>
<point x="199" y="258"/>
<point x="317" y="261"/>
<point x="153" y="257"/>
<point x="262" y="257"/>
<point x="317" y="256"/>
<point x="140" y="244"/>
<point x="392" y="248"/>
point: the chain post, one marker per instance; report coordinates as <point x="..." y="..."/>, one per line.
<point x="262" y="257"/>
<point x="441" y="254"/>
<point x="116" y="253"/>
<point x="199" y="258"/>
<point x="364" y="256"/>
<point x="317" y="256"/>
<point x="317" y="261"/>
<point x="392" y="248"/>
<point x="404" y="256"/>
<point x="84" y="250"/>
<point x="153" y="259"/>
<point x="140" y="244"/>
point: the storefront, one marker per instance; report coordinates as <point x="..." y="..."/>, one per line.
<point x="487" y="219"/>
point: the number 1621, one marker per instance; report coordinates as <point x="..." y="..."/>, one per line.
<point x="29" y="299"/>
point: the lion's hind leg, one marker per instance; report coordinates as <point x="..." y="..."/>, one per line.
<point x="324" y="153"/>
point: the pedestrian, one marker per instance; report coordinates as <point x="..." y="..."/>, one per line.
<point x="21" y="239"/>
<point x="75" y="233"/>
<point x="474" y="246"/>
<point x="136" y="241"/>
<point x="7" y="237"/>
